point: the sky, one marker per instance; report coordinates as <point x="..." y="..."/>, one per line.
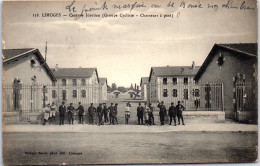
<point x="125" y="49"/>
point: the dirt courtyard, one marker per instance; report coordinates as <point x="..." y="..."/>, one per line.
<point x="119" y="148"/>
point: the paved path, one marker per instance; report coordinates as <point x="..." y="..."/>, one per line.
<point x="131" y="128"/>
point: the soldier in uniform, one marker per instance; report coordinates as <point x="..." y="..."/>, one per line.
<point x="81" y="112"/>
<point x="172" y="114"/>
<point x="162" y="112"/>
<point x="46" y="114"/>
<point x="71" y="110"/>
<point x="146" y="114"/>
<point x="105" y="110"/>
<point x="62" y="110"/>
<point x="179" y="109"/>
<point x="91" y="113"/>
<point x="140" y="113"/>
<point x="151" y="117"/>
<point x="111" y="109"/>
<point x="53" y="113"/>
<point x="115" y="113"/>
<point x="127" y="112"/>
<point x="100" y="114"/>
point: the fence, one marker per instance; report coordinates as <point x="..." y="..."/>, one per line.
<point x="193" y="96"/>
<point x="26" y="100"/>
<point x="246" y="96"/>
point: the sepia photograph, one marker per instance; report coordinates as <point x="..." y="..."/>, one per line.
<point x="129" y="82"/>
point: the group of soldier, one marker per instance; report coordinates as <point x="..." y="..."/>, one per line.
<point x="101" y="111"/>
<point x="146" y="113"/>
<point x="109" y="114"/>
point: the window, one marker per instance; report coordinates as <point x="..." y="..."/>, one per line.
<point x="83" y="93"/>
<point x="174" y="81"/>
<point x="197" y="93"/>
<point x="74" y="93"/>
<point x="185" y="94"/>
<point x="53" y="83"/>
<point x="174" y="93"/>
<point x="53" y="94"/>
<point x="74" y="82"/>
<point x="63" y="82"/>
<point x="164" y="81"/>
<point x="185" y="81"/>
<point x="83" y="81"/>
<point x="64" y="95"/>
<point x="165" y="93"/>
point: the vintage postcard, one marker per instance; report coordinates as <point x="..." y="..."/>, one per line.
<point x="129" y="82"/>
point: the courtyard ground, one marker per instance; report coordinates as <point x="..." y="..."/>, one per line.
<point x="118" y="144"/>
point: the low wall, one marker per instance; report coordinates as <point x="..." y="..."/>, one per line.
<point x="246" y="116"/>
<point x="204" y="116"/>
<point x="10" y="117"/>
<point x="189" y="117"/>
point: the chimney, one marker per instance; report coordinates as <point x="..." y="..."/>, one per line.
<point x="193" y="65"/>
<point x="56" y="68"/>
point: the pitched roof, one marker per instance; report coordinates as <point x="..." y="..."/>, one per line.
<point x="174" y="71"/>
<point x="103" y="81"/>
<point x="247" y="50"/>
<point x="144" y="80"/>
<point x="9" y="55"/>
<point x="74" y="72"/>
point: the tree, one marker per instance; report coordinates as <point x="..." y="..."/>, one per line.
<point x="121" y="89"/>
<point x="114" y="87"/>
<point x="131" y="87"/>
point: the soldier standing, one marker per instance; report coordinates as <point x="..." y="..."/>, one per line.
<point x="115" y="113"/>
<point x="127" y="112"/>
<point x="100" y="114"/>
<point x="162" y="112"/>
<point x="91" y="113"/>
<point x="140" y="113"/>
<point x="151" y="117"/>
<point x="81" y="112"/>
<point x="105" y="112"/>
<point x="179" y="109"/>
<point x="53" y="113"/>
<point x="172" y="114"/>
<point x="71" y="110"/>
<point x="111" y="109"/>
<point x="146" y="114"/>
<point x="62" y="110"/>
<point x="46" y="114"/>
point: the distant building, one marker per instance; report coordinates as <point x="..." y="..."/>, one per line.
<point x="116" y="94"/>
<point x="103" y="84"/>
<point x="172" y="84"/>
<point x="77" y="85"/>
<point x="144" y="84"/>
<point x="235" y="65"/>
<point x="25" y="73"/>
